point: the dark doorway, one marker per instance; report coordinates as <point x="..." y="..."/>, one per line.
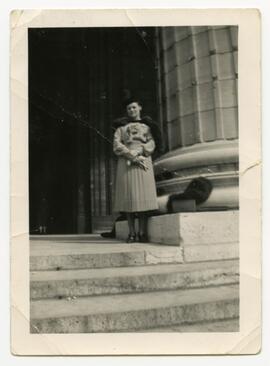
<point x="77" y="80"/>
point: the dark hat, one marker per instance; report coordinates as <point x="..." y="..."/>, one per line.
<point x="130" y="100"/>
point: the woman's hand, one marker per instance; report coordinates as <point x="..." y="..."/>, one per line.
<point x="138" y="151"/>
<point x="141" y="161"/>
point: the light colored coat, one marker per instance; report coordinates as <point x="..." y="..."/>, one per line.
<point x="135" y="189"/>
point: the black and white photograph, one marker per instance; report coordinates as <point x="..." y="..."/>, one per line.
<point x="133" y="179"/>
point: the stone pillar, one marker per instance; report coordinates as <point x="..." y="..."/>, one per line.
<point x="199" y="83"/>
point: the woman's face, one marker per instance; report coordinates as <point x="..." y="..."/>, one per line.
<point x="134" y="110"/>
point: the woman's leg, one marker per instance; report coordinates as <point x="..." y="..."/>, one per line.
<point x="131" y="223"/>
<point x="143" y="224"/>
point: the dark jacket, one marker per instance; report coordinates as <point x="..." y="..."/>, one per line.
<point x="155" y="130"/>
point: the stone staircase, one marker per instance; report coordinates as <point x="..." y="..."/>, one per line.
<point x="86" y="284"/>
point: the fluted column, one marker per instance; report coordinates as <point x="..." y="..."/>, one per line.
<point x="199" y="83"/>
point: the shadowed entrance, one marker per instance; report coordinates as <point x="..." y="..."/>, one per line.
<point x="77" y="80"/>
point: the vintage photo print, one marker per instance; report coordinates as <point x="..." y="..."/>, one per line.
<point x="135" y="181"/>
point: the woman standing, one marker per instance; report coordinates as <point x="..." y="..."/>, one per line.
<point x="135" y="191"/>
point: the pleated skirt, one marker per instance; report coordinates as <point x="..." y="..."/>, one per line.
<point x="135" y="189"/>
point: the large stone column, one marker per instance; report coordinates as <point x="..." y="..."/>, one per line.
<point x="198" y="82"/>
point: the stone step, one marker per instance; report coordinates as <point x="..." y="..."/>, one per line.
<point x="94" y="252"/>
<point x="88" y="282"/>
<point x="218" y="326"/>
<point x="126" y="312"/>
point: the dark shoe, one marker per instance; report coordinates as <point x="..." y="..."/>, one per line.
<point x="143" y="238"/>
<point x="131" y="239"/>
<point x="109" y="234"/>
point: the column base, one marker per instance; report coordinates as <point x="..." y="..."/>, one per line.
<point x="216" y="161"/>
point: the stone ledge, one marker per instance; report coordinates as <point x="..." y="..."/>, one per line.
<point x="195" y="228"/>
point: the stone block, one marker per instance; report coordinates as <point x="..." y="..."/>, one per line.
<point x="185" y="45"/>
<point x="201" y="44"/>
<point x="159" y="255"/>
<point x="208" y="123"/>
<point x="205" y="97"/>
<point x="199" y="253"/>
<point x="179" y="205"/>
<point x="223" y="42"/>
<point x="230" y="122"/>
<point x="175" y="132"/>
<point x="173" y="102"/>
<point x="186" y="74"/>
<point x="190" y="134"/>
<point x="187" y="101"/>
<point x="196" y="228"/>
<point x="209" y="227"/>
<point x="203" y="70"/>
<point x="171" y="58"/>
<point x="226" y="94"/>
<point x="181" y="33"/>
<point x="223" y="65"/>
